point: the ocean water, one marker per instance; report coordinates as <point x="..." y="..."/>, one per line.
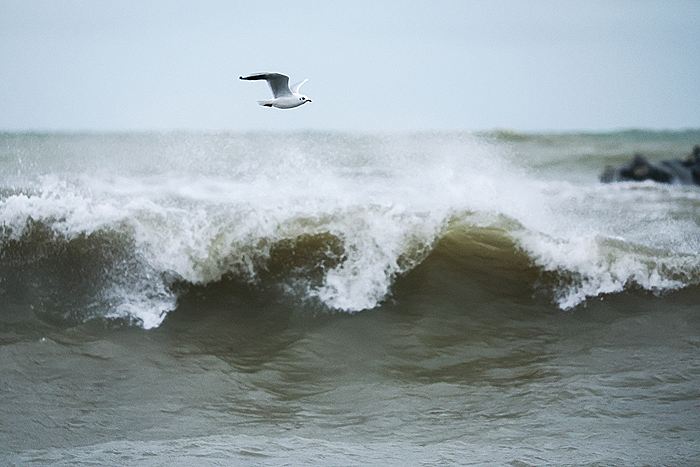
<point x="346" y="299"/>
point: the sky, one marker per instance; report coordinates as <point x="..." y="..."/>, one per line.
<point x="103" y="65"/>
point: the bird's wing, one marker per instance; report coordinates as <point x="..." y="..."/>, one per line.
<point x="298" y="86"/>
<point x="279" y="83"/>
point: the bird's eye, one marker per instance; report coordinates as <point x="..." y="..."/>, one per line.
<point x="303" y="98"/>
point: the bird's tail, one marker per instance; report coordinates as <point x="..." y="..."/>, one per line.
<point x="265" y="103"/>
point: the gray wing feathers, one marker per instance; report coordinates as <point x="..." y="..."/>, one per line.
<point x="279" y="83"/>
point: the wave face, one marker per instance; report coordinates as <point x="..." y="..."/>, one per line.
<point x="115" y="226"/>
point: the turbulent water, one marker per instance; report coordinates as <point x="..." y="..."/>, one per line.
<point x="315" y="298"/>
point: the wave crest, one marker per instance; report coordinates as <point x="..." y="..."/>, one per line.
<point x="338" y="228"/>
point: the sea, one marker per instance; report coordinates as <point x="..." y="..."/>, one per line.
<point x="344" y="298"/>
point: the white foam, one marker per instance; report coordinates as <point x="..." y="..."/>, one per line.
<point x="608" y="237"/>
<point x="387" y="200"/>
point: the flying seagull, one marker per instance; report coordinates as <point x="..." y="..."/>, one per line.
<point x="284" y="98"/>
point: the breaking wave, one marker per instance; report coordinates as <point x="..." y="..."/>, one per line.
<point x="337" y="225"/>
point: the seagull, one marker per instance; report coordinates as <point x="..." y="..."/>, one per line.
<point x="284" y="98"/>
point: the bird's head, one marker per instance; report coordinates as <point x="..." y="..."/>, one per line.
<point x="304" y="98"/>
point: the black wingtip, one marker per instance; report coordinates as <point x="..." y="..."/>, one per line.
<point x="240" y="77"/>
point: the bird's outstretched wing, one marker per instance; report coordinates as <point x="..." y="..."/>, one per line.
<point x="279" y="83"/>
<point x="298" y="86"/>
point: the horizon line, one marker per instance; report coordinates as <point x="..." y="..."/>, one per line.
<point x="503" y="130"/>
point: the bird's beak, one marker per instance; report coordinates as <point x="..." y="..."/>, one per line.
<point x="309" y="100"/>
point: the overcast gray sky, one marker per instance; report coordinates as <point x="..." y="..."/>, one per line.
<point x="373" y="65"/>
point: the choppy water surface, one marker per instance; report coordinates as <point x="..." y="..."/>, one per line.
<point x="338" y="299"/>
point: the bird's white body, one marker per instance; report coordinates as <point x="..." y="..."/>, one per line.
<point x="286" y="102"/>
<point x="284" y="97"/>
